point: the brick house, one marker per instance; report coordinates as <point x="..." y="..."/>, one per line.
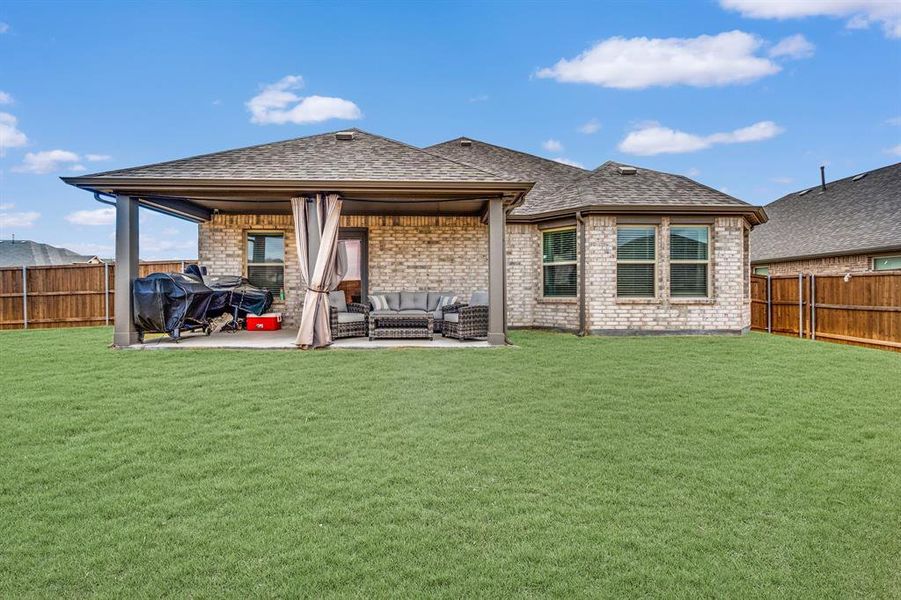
<point x="851" y="225"/>
<point x="620" y="249"/>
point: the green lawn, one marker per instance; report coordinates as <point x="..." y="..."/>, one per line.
<point x="760" y="466"/>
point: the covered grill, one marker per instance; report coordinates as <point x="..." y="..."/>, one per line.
<point x="170" y="303"/>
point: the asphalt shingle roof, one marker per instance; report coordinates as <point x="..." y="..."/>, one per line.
<point x="849" y="217"/>
<point x="561" y="187"/>
<point x="319" y="157"/>
<point x="18" y="253"/>
<point x="550" y="177"/>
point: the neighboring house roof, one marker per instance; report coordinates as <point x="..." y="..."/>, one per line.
<point x="549" y="176"/>
<point x="561" y="188"/>
<point x="19" y="253"/>
<point x="850" y="217"/>
<point x="321" y="157"/>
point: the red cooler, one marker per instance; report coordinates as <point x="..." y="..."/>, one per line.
<point x="264" y="322"/>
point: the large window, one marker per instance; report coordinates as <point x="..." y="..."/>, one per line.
<point x="689" y="261"/>
<point x="559" y="263"/>
<point x="887" y="263"/>
<point x="266" y="261"/>
<point x="636" y="261"/>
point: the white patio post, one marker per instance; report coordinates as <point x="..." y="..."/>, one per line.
<point x="125" y="333"/>
<point x="497" y="327"/>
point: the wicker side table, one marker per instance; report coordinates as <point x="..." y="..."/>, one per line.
<point x="399" y="326"/>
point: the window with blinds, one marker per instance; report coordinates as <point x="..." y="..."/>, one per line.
<point x="266" y="260"/>
<point x="559" y="263"/>
<point x="689" y="261"/>
<point x="636" y="261"/>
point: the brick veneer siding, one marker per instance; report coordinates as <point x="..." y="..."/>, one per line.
<point x="451" y="254"/>
<point x="830" y="265"/>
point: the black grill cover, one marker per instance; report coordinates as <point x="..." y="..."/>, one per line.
<point x="170" y="302"/>
<point x="233" y="292"/>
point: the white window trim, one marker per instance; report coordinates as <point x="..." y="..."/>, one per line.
<point x="248" y="263"/>
<point x="560" y="262"/>
<point x="654" y="261"/>
<point x="706" y="261"/>
<point x="875" y="258"/>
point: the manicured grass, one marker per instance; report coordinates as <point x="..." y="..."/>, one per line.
<point x="760" y="466"/>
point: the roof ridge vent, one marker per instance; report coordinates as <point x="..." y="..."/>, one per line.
<point x="626" y="170"/>
<point x="465" y="143"/>
<point x="344" y="136"/>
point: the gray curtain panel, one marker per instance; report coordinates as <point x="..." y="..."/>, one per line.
<point x="322" y="216"/>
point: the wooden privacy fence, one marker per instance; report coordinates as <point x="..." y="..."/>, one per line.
<point x="76" y="295"/>
<point x="862" y="309"/>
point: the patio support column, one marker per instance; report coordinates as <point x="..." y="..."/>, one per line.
<point x="497" y="326"/>
<point x="125" y="333"/>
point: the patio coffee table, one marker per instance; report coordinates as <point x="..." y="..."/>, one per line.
<point x="400" y="326"/>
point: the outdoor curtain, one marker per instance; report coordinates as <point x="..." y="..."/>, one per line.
<point x="322" y="264"/>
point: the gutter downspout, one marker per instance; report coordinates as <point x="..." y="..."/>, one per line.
<point x="102" y="201"/>
<point x="582" y="324"/>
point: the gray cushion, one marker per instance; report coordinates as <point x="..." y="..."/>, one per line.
<point x="434" y="297"/>
<point x="393" y="300"/>
<point x="414" y="300"/>
<point x="414" y="312"/>
<point x="346" y="317"/>
<point x="438" y="314"/>
<point x="478" y="299"/>
<point x="337" y="300"/>
<point x="452" y="317"/>
<point x="378" y="302"/>
<point x="379" y="313"/>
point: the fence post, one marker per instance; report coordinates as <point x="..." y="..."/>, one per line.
<point x="769" y="305"/>
<point x="106" y="292"/>
<point x="182" y="266"/>
<point x="813" y="306"/>
<point x="24" y="297"/>
<point x="800" y="305"/>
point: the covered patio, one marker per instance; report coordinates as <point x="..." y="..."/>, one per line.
<point x="374" y="178"/>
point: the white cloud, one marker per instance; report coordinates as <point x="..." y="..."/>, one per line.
<point x="4" y="27"/>
<point x="10" y="136"/>
<point x="7" y="206"/>
<point x="783" y="180"/>
<point x="552" y="145"/>
<point x="636" y="63"/>
<point x="860" y="13"/>
<point x="652" y="138"/>
<point x="896" y="121"/>
<point x="91" y="249"/>
<point x="479" y="98"/>
<point x="277" y="104"/>
<point x="48" y="161"/>
<point x="97" y="157"/>
<point x="590" y="126"/>
<point x="895" y="150"/>
<point x="794" y="46"/>
<point x="693" y="172"/>
<point x="99" y="216"/>
<point x="18" y="219"/>
<point x="5" y="97"/>
<point x="170" y="231"/>
<point x="572" y="163"/>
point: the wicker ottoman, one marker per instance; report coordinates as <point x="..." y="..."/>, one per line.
<point x="400" y="326"/>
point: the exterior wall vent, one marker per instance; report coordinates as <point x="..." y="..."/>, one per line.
<point x="465" y="143"/>
<point x="627" y="170"/>
<point x="344" y="136"/>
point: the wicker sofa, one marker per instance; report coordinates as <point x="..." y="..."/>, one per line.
<point x="467" y="321"/>
<point x="412" y="303"/>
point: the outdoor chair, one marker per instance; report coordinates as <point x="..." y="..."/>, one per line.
<point x="347" y="319"/>
<point x="467" y="321"/>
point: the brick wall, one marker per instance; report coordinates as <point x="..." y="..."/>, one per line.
<point x="451" y="254"/>
<point x="832" y="265"/>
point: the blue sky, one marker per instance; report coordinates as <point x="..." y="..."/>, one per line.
<point x="744" y="96"/>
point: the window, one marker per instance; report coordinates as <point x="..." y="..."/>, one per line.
<point x="636" y="261"/>
<point x="761" y="270"/>
<point x="266" y="261"/>
<point x="558" y="262"/>
<point x="887" y="263"/>
<point x="688" y="261"/>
